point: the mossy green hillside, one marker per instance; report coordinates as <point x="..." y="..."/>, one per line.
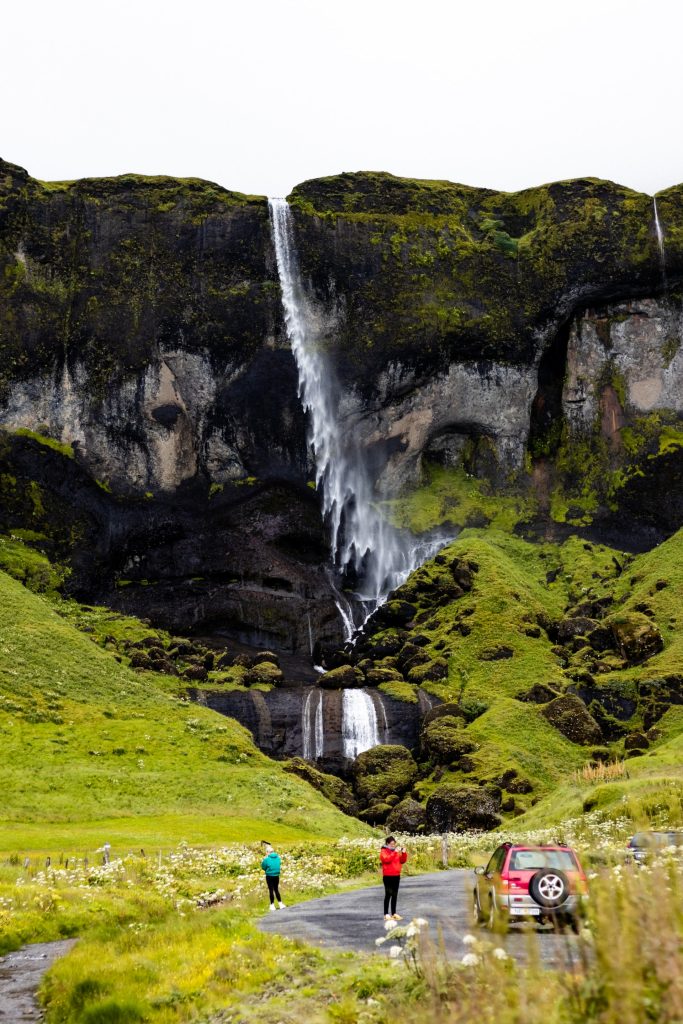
<point x="84" y="741"/>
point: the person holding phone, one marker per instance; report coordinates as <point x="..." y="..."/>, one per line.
<point x="392" y="860"/>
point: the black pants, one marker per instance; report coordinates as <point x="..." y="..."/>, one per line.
<point x="273" y="887"/>
<point x="391" y="884"/>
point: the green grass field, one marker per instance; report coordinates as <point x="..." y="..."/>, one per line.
<point x="91" y="752"/>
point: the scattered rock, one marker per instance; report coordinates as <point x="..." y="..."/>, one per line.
<point x="408" y="816"/>
<point x="444" y="740"/>
<point x="461" y="808"/>
<point x="497" y="653"/>
<point x="636" y="741"/>
<point x="383" y="770"/>
<point x="432" y="670"/>
<point x="570" y="716"/>
<point x="636" y="637"/>
<point x="540" y="693"/>
<point x="341" y="678"/>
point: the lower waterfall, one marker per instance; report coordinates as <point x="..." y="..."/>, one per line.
<point x="312" y="726"/>
<point x="359" y="723"/>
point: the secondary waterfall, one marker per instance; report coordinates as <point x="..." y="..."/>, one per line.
<point x="312" y="726"/>
<point x="660" y="239"/>
<point x="359" y="723"/>
<point x="379" y="556"/>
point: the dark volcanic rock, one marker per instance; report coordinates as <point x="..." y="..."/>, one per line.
<point x="461" y="808"/>
<point x="382" y="771"/>
<point x="636" y="637"/>
<point x="407" y="816"/>
<point x="444" y="741"/>
<point x="330" y="786"/>
<point x="571" y="717"/>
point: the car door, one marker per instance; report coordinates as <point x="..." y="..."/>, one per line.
<point x="486" y="883"/>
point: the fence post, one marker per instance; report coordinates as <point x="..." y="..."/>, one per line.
<point x="444" y="850"/>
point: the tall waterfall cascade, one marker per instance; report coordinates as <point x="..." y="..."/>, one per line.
<point x="380" y="556"/>
<point x="359" y="723"/>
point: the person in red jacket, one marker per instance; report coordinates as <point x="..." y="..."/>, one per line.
<point x="392" y="860"/>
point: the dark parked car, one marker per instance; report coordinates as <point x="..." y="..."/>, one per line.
<point x="643" y="845"/>
<point x="546" y="883"/>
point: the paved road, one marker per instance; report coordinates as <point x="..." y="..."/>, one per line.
<point x="353" y="920"/>
<point x="20" y="975"/>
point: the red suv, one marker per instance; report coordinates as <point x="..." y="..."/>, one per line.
<point x="519" y="882"/>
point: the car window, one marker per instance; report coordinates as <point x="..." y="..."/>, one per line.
<point x="533" y="860"/>
<point x="496" y="862"/>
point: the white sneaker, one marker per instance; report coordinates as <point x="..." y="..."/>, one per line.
<point x="282" y="906"/>
<point x="387" y="917"/>
<point x="272" y="907"/>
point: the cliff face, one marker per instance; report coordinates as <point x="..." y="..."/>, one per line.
<point x="531" y="339"/>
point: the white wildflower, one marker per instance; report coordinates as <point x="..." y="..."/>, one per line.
<point x="470" y="960"/>
<point x="500" y="954"/>
<point x="395" y="951"/>
<point x="469" y="940"/>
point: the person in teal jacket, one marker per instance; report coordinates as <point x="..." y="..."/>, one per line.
<point x="271" y="866"/>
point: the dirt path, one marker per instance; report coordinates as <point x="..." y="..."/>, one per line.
<point x="20" y="975"/>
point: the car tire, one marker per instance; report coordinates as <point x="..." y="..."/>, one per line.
<point x="477" y="917"/>
<point x="549" y="887"/>
<point x="497" y="920"/>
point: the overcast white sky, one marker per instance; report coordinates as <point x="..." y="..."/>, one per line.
<point x="263" y="94"/>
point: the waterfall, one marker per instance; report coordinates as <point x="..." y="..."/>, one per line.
<point x="359" y="723"/>
<point x="660" y="239"/>
<point x="362" y="542"/>
<point x="313" y="738"/>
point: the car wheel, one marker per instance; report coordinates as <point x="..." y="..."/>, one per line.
<point x="549" y="888"/>
<point x="496" y="921"/>
<point x="477" y="916"/>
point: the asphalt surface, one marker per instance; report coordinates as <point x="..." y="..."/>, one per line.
<point x="20" y="974"/>
<point x="353" y="920"/>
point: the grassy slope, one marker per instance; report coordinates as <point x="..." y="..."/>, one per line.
<point x="90" y="752"/>
<point x="654" y="787"/>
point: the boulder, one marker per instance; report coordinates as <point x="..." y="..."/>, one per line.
<point x="395" y="613"/>
<point x="540" y="693"/>
<point x="450" y="709"/>
<point x="570" y="716"/>
<point x="334" y="789"/>
<point x="383" y="770"/>
<point x="196" y="672"/>
<point x="576" y="626"/>
<point x="461" y="809"/>
<point x="636" y="741"/>
<point x="433" y="671"/>
<point x="497" y="653"/>
<point x="408" y="816"/>
<point x="341" y="678"/>
<point x="377" y="676"/>
<point x="444" y="740"/>
<point x="636" y="637"/>
<point x="265" y="672"/>
<point x="376" y="814"/>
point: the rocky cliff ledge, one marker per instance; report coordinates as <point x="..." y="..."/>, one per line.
<point x="153" y="433"/>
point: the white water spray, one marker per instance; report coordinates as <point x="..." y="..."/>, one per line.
<point x="380" y="556"/>
<point x="359" y="723"/>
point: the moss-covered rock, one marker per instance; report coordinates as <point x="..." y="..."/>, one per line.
<point x="636" y="636"/>
<point x="376" y="814"/>
<point x="333" y="788"/>
<point x="265" y="672"/>
<point x="431" y="670"/>
<point x="341" y="678"/>
<point x="383" y="770"/>
<point x="571" y="717"/>
<point x="461" y="808"/>
<point x="444" y="740"/>
<point x="408" y="816"/>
